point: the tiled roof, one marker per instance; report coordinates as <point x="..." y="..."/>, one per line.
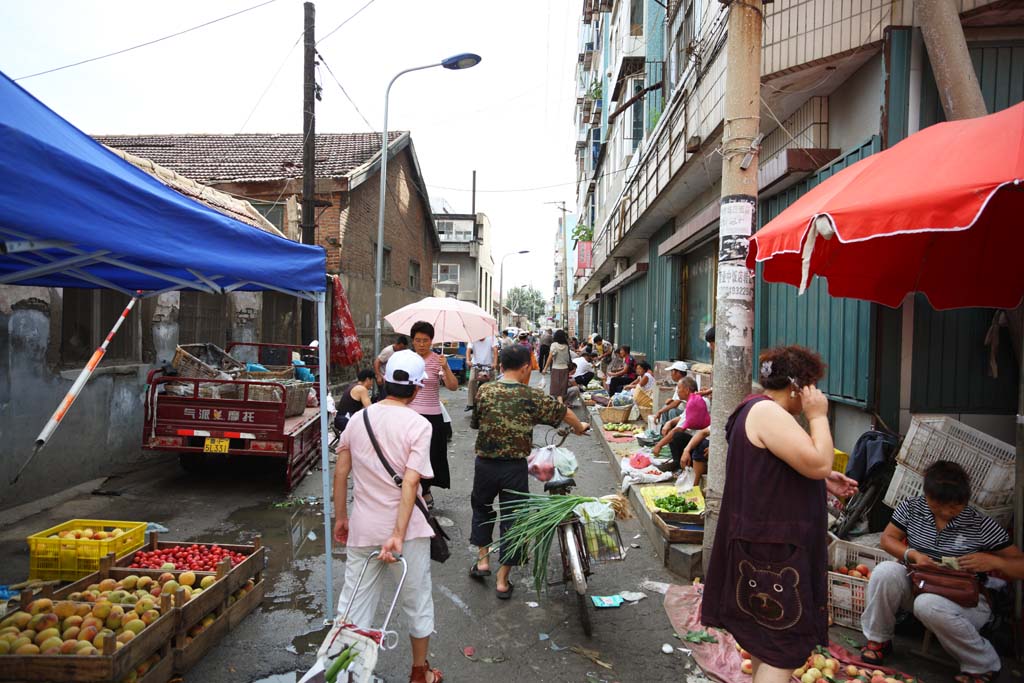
<point x="250" y="156"/>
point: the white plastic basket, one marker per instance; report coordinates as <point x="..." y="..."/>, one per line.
<point x="988" y="461"/>
<point x="1002" y="515"/>
<point x="847" y="595"/>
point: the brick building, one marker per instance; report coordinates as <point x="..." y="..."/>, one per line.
<point x="266" y="169"/>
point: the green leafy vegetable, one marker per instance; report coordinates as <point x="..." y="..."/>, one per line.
<point x="675" y="503"/>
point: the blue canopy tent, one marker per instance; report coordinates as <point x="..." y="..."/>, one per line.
<point x="74" y="214"/>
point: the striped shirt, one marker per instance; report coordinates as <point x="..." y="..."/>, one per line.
<point x="969" y="532"/>
<point x="428" y="400"/>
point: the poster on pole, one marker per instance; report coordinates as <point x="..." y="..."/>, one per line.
<point x="736" y="224"/>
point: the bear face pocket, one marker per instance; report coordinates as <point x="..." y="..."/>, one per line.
<point x="771" y="584"/>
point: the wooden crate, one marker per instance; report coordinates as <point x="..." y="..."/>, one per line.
<point x="690" y="533"/>
<point x="187" y="653"/>
<point x="109" y="667"/>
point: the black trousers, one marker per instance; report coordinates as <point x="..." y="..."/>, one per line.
<point x="542" y="354"/>
<point x="678" y="444"/>
<point x="584" y="379"/>
<point x="615" y="384"/>
<point x="499" y="479"/>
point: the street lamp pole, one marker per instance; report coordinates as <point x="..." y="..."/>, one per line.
<point x="460" y="61"/>
<point x="501" y="290"/>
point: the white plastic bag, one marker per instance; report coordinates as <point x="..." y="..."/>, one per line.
<point x="652" y="424"/>
<point x="541" y="463"/>
<point x="565" y="462"/>
<point x="685" y="481"/>
<point x="596" y="511"/>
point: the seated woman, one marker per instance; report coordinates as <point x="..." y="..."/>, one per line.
<point x="619" y="377"/>
<point x="923" y="531"/>
<point x="354" y="397"/>
<point x="644" y="382"/>
<point x="695" y="416"/>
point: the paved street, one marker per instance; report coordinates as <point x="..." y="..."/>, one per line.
<point x="231" y="504"/>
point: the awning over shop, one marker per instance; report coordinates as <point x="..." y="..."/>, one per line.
<point x="74" y="214"/>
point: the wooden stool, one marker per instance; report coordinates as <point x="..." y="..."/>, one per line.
<point x="939" y="657"/>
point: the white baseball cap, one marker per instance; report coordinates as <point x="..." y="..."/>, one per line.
<point x="409" y="362"/>
<point x="679" y="366"/>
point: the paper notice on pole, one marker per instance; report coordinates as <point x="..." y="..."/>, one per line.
<point x="736" y="282"/>
<point x="736" y="218"/>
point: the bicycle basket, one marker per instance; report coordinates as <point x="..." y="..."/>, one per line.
<point x="603" y="541"/>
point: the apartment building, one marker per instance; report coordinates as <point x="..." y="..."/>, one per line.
<point x="465" y="269"/>
<point x="840" y="81"/>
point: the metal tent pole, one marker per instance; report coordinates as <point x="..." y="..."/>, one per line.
<point x="325" y="463"/>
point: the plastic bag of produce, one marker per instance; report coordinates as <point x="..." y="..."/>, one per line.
<point x="685" y="481"/>
<point x="622" y="399"/>
<point x="596" y="511"/>
<point x="565" y="462"/>
<point x="541" y="463"/>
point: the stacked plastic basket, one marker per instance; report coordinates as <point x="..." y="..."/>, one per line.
<point x="988" y="462"/>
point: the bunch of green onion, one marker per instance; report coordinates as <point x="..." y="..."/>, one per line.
<point x="537" y="517"/>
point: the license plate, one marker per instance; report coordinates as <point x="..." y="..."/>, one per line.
<point x="214" y="445"/>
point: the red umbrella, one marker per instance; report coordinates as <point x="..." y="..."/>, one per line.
<point x="941" y="213"/>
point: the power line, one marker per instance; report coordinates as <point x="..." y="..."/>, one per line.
<point x="343" y="91"/>
<point x="350" y="18"/>
<point x="528" y="189"/>
<point x="270" y="84"/>
<point x="147" y="43"/>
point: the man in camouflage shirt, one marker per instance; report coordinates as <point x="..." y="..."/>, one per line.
<point x="506" y="412"/>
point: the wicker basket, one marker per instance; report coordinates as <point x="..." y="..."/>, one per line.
<point x="613" y="414"/>
<point x="295" y="394"/>
<point x="205" y="361"/>
<point x="273" y="372"/>
<point x="645" y="412"/>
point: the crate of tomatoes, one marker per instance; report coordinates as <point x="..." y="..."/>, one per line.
<point x="850" y="568"/>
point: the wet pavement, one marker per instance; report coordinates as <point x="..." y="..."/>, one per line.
<point x="526" y="638"/>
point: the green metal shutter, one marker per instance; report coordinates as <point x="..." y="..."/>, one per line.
<point x="841" y="330"/>
<point x="950" y="359"/>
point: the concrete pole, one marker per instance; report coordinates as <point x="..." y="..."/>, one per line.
<point x="734" y="306"/>
<point x="955" y="77"/>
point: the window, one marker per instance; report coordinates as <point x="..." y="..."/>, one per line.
<point x="699" y="300"/>
<point x="636" y="17"/>
<point x="387" y="263"/>
<point x="203" y="318"/>
<point x="87" y="316"/>
<point x="279" y="318"/>
<point x="414" y="274"/>
<point x="634" y="129"/>
<point x="446" y="273"/>
<point x="455" y="231"/>
<point x="272" y="211"/>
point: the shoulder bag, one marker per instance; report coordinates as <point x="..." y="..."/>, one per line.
<point x="957" y="586"/>
<point x="439" y="551"/>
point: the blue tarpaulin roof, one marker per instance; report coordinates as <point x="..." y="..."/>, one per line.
<point x="73" y="214"/>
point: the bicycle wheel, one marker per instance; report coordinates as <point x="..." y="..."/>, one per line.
<point x="859" y="505"/>
<point x="577" y="576"/>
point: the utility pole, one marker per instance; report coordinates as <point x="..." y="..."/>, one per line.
<point x="734" y="305"/>
<point x="308" y="149"/>
<point x="955" y="77"/>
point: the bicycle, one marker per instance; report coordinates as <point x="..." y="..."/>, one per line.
<point x="864" y="505"/>
<point x="575" y="544"/>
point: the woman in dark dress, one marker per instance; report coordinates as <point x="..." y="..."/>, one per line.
<point x="766" y="581"/>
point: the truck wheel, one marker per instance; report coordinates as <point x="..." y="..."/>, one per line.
<point x="191" y="462"/>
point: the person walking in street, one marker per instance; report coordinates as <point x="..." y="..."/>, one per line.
<point x="558" y="364"/>
<point x="767" y="577"/>
<point x="603" y="350"/>
<point x="545" y="346"/>
<point x="383" y="516"/>
<point x="482" y="360"/>
<point x="401" y="343"/>
<point x="506" y="412"/>
<point x="354" y="397"/>
<point x="428" y="404"/>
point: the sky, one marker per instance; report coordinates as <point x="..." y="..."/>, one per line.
<point x="510" y="118"/>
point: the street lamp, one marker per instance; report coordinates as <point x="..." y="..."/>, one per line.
<point x="501" y="289"/>
<point x="464" y="60"/>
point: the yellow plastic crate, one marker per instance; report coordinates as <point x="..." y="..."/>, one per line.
<point x="69" y="559"/>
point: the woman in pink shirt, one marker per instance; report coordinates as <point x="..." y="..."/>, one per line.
<point x="695" y="416"/>
<point x="384" y="517"/>
<point x="428" y="404"/>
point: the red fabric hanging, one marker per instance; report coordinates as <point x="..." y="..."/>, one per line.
<point x="345" y="346"/>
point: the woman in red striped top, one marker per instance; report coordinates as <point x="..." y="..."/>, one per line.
<point x="428" y="404"/>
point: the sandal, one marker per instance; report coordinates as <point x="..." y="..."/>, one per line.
<point x="419" y="674"/>
<point x="505" y="595"/>
<point x="478" y="573"/>
<point x="964" y="677"/>
<point x="428" y="499"/>
<point x="875" y="652"/>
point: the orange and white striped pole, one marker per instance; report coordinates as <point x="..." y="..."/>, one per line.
<point x="76" y="388"/>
